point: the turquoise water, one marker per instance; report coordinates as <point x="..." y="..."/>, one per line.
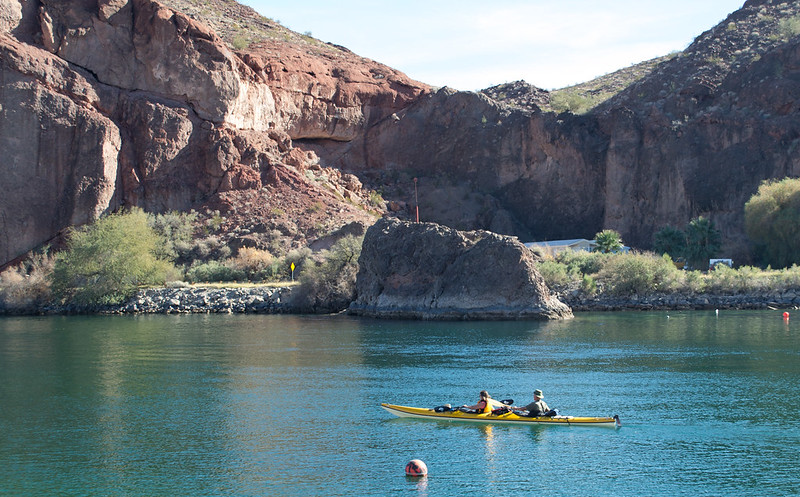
<point x="253" y="405"/>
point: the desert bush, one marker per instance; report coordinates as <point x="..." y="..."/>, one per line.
<point x="107" y="261"/>
<point x="201" y="250"/>
<point x="27" y="284"/>
<point x="639" y="273"/>
<point x="788" y="278"/>
<point x="555" y="274"/>
<point x="589" y="285"/>
<point x="176" y="230"/>
<point x="789" y="27"/>
<point x="726" y="280"/>
<point x="329" y="286"/>
<point x="214" y="221"/>
<point x="213" y="271"/>
<point x="376" y="199"/>
<point x="571" y="101"/>
<point x="253" y="262"/>
<point x="692" y="282"/>
<point x="302" y="259"/>
<point x="583" y="262"/>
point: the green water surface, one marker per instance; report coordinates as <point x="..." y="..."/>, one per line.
<point x="254" y="405"/>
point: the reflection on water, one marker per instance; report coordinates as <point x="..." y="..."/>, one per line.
<point x="249" y="405"/>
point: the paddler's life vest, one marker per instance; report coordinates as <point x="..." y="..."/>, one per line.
<point x="490" y="405"/>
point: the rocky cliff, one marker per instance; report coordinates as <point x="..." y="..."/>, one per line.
<point x="127" y="102"/>
<point x="106" y="103"/>
<point x="429" y="271"/>
<point x="693" y="137"/>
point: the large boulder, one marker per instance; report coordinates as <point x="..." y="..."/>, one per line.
<point x="429" y="271"/>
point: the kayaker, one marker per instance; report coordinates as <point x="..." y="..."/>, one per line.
<point x="485" y="404"/>
<point x="538" y="407"/>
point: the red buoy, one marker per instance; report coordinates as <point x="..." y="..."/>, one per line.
<point x="415" y="467"/>
<point x="786" y="315"/>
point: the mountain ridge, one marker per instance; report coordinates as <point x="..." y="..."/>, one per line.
<point x="291" y="139"/>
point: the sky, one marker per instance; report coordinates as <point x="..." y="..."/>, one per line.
<point x="470" y="45"/>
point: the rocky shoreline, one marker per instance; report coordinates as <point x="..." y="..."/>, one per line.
<point x="277" y="300"/>
<point x="789" y="299"/>
<point x="182" y="300"/>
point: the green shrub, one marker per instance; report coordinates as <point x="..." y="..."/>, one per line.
<point x="330" y="286"/>
<point x="788" y="278"/>
<point x="107" y="261"/>
<point x="629" y="274"/>
<point x="376" y="199"/>
<point x="589" y="285"/>
<point x="176" y="230"/>
<point x="201" y="250"/>
<point x="301" y="258"/>
<point x="572" y="101"/>
<point x="582" y="262"/>
<point x="213" y="271"/>
<point x="693" y="282"/>
<point x="789" y="27"/>
<point x="725" y="280"/>
<point x="555" y="274"/>
<point x="772" y="221"/>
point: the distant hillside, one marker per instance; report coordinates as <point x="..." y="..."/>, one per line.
<point x="583" y="97"/>
<point x="577" y="99"/>
<point x="734" y="46"/>
<point x="239" y="25"/>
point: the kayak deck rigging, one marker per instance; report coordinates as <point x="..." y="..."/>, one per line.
<point x="504" y="418"/>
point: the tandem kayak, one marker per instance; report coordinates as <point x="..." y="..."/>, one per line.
<point x="506" y="418"/>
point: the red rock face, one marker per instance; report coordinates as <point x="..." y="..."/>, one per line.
<point x="127" y="102"/>
<point x="327" y="93"/>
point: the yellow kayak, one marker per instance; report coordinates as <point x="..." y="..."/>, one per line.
<point x="505" y="418"/>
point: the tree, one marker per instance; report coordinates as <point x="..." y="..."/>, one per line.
<point x="772" y="221"/>
<point x="608" y="241"/>
<point x="703" y="241"/>
<point x="107" y="261"/>
<point x="670" y="240"/>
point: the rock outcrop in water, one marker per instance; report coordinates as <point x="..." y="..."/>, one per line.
<point x="429" y="271"/>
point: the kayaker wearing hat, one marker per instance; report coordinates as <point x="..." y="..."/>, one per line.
<point x="538" y="407"/>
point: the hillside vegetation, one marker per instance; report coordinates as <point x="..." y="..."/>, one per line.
<point x="239" y="25"/>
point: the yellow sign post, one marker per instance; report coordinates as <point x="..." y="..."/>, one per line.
<point x="292" y="266"/>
